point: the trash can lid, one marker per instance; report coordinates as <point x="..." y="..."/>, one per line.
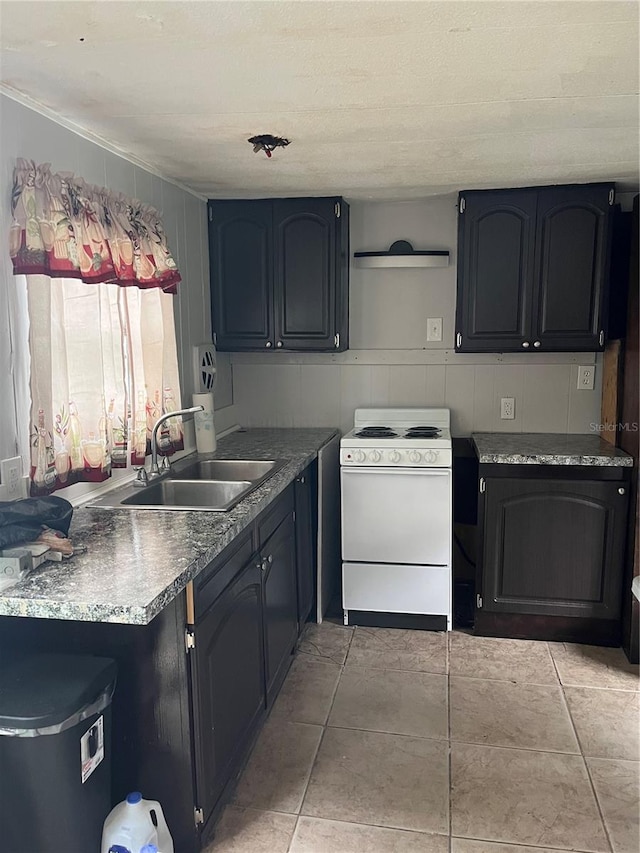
<point x="43" y="690"/>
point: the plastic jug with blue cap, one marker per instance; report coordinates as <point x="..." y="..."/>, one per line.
<point x="135" y="825"/>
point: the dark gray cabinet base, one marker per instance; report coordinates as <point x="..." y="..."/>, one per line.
<point x="551" y="553"/>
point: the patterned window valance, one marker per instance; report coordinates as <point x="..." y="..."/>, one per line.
<point x="65" y="228"/>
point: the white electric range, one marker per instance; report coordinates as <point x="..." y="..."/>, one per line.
<point x="397" y="515"/>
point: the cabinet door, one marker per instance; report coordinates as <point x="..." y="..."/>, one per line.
<point x="240" y="246"/>
<point x="554" y="547"/>
<point x="572" y="255"/>
<point x="228" y="681"/>
<point x="306" y="541"/>
<point x="495" y="270"/>
<point x="280" y="603"/>
<point x="306" y="258"/>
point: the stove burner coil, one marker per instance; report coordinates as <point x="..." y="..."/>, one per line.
<point x="376" y="432"/>
<point x="422" y="432"/>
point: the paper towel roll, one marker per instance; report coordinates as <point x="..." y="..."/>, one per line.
<point x="205" y="430"/>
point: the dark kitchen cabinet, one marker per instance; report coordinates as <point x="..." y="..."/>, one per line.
<point x="241" y="250"/>
<point x="552" y="552"/>
<point x="279" y="274"/>
<point x="495" y="269"/>
<point x="533" y="269"/>
<point x="228" y="683"/>
<point x="280" y="606"/>
<point x="306" y="540"/>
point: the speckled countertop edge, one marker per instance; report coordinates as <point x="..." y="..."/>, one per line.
<point x="548" y="449"/>
<point x="139" y="560"/>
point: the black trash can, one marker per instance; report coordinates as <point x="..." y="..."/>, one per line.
<point x="55" y="744"/>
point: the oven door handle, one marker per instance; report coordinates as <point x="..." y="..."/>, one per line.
<point x="405" y="472"/>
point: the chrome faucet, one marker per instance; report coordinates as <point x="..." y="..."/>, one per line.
<point x="154" y="471"/>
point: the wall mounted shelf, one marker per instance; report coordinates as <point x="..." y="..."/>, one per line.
<point x="402" y="254"/>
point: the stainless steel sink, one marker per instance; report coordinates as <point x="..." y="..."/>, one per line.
<point x="205" y="495"/>
<point x="209" y="485"/>
<point x="229" y="469"/>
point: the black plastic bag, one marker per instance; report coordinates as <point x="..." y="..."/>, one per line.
<point x="22" y="521"/>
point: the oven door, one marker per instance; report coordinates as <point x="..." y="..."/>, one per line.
<point x="396" y="515"/>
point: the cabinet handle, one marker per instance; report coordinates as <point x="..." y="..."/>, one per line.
<point x="601" y="338"/>
<point x="268" y="344"/>
<point x="458" y="339"/>
<point x="279" y="344"/>
<point x="536" y="344"/>
<point x="621" y="491"/>
<point x="270" y="558"/>
<point x="525" y="344"/>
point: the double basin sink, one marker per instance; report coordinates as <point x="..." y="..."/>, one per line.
<point x="210" y="485"/>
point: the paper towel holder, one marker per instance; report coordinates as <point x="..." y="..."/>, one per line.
<point x="205" y="369"/>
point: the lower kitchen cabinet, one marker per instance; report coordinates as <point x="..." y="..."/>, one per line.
<point x="551" y="552"/>
<point x="228" y="688"/>
<point x="280" y="604"/>
<point x="306" y="490"/>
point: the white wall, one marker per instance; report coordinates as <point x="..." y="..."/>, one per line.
<point x="390" y="362"/>
<point x="26" y="133"/>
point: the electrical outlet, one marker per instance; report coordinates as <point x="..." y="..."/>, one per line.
<point x="434" y="328"/>
<point x="507" y="408"/>
<point x="586" y="377"/>
<point x="11" y="477"/>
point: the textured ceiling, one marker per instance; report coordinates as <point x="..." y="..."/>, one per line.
<point x="380" y="99"/>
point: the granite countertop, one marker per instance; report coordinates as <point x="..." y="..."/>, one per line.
<point x="532" y="448"/>
<point x="137" y="560"/>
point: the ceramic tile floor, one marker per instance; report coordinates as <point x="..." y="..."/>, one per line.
<point x="390" y="741"/>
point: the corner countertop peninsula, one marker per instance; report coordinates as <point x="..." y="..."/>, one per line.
<point x="532" y="448"/>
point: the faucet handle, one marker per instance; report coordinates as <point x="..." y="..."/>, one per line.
<point x="141" y="476"/>
<point x="165" y="465"/>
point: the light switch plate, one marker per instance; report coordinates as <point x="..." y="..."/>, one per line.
<point x="434" y="328"/>
<point x="11" y="477"/>
<point x="586" y="377"/>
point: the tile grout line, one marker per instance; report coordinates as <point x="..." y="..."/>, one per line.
<point x="325" y="726"/>
<point x="517" y="846"/>
<point x="582" y="755"/>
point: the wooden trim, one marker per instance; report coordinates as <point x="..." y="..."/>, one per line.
<point x="191" y="607"/>
<point x="611" y="390"/>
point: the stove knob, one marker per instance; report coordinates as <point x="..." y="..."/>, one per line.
<point x="359" y="456"/>
<point x="430" y="456"/>
<point x="414" y="456"/>
<point x="375" y="456"/>
<point x="394" y="457"/>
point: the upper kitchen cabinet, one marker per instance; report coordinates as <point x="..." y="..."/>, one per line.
<point x="279" y="274"/>
<point x="532" y="269"/>
<point x="241" y="249"/>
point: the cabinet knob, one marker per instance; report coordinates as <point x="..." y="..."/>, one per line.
<point x="270" y="558"/>
<point x="301" y="479"/>
<point x="525" y="344"/>
<point x="621" y="491"/>
<point x="279" y="344"/>
<point x="268" y="344"/>
<point x="536" y="344"/>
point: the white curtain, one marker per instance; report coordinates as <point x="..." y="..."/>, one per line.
<point x="103" y="368"/>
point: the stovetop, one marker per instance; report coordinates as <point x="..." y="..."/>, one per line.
<point x="398" y="437"/>
<point x="413" y="432"/>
